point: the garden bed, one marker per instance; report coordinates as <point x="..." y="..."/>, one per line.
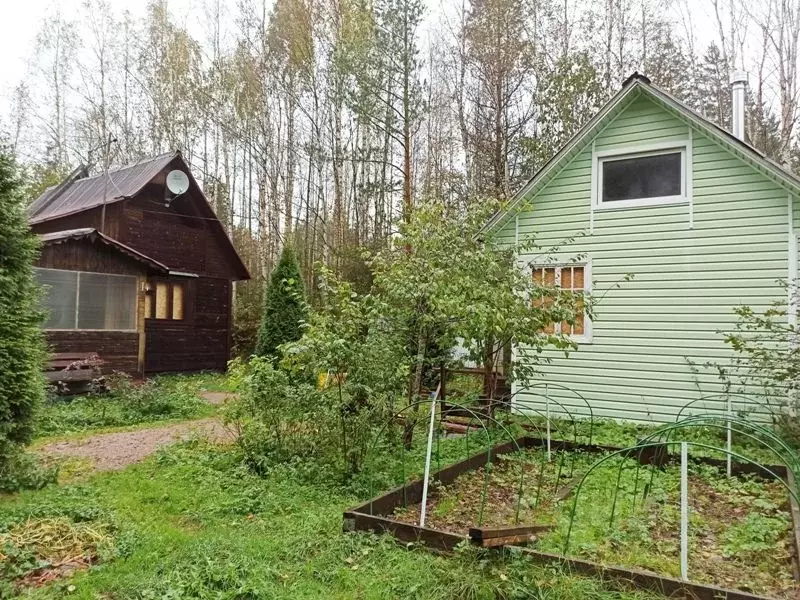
<point x="458" y="506"/>
<point x="742" y="530"/>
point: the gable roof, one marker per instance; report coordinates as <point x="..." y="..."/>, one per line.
<point x="87" y="233"/>
<point x="76" y="194"/>
<point x="79" y="193"/>
<point x="634" y="87"/>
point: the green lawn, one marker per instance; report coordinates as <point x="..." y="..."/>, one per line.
<point x="190" y="522"/>
<point x="130" y="404"/>
<point x="193" y="522"/>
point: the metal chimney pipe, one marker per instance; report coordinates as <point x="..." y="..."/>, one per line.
<point x="738" y="87"/>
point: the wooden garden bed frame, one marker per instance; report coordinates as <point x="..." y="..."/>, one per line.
<point x="370" y="516"/>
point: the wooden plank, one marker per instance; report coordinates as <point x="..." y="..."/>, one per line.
<point x="485" y="533"/>
<point x="74" y="375"/>
<point x="63" y="364"/>
<point x="432" y="538"/>
<point x="509" y="540"/>
<point x="73" y="356"/>
<point x="795" y="511"/>
<point x="666" y="586"/>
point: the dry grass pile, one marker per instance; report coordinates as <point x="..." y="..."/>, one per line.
<point x="53" y="547"/>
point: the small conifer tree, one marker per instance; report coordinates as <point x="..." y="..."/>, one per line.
<point x="21" y="342"/>
<point x="284" y="306"/>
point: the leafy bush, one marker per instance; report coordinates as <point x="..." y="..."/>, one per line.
<point x="21" y="344"/>
<point x="284" y="306"/>
<point x="127" y="402"/>
<point x="276" y="420"/>
<point x="25" y="470"/>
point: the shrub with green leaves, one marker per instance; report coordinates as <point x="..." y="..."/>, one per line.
<point x="21" y="343"/>
<point x="380" y="350"/>
<point x="284" y="306"/>
<point x="276" y="420"/>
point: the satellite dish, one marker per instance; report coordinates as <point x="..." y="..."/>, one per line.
<point x="177" y="182"/>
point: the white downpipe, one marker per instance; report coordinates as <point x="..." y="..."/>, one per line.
<point x="427" y="462"/>
<point x="547" y="413"/>
<point x="684" y="512"/>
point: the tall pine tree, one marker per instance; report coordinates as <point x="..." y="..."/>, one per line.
<point x="284" y="307"/>
<point x="21" y="342"/>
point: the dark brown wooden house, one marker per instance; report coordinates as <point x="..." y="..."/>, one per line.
<point x="136" y="273"/>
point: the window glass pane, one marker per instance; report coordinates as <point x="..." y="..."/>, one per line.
<point x="580" y="318"/>
<point x="162" y="301"/>
<point x="577" y="278"/>
<point x="106" y="301"/>
<point x="642" y="177"/>
<point x="566" y="278"/>
<point x="177" y="301"/>
<point x="58" y="297"/>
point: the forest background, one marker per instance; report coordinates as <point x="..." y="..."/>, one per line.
<point x="321" y="123"/>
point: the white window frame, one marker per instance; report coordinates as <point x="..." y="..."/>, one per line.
<point x="599" y="157"/>
<point x="77" y="298"/>
<point x="587" y="336"/>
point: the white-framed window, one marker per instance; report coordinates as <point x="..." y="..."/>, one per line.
<point x="642" y="175"/>
<point x="572" y="277"/>
<point x="88" y="301"/>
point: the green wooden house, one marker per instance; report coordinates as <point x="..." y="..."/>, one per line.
<point x="701" y="220"/>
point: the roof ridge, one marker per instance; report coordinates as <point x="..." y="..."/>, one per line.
<point x="131" y="165"/>
<point x="108" y="186"/>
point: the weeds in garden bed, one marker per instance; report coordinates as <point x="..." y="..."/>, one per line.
<point x="458" y="506"/>
<point x="627" y="514"/>
<point x="740" y="528"/>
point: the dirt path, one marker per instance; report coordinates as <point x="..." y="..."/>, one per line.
<point x="114" y="451"/>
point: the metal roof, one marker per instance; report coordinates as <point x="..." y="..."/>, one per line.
<point x="87" y="233"/>
<point x="78" y="194"/>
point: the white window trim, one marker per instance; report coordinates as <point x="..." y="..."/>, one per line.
<point x="77" y="295"/>
<point x="656" y="149"/>
<point x="587" y="336"/>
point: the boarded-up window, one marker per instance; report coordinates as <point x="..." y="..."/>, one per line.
<point x="162" y="300"/>
<point x="177" y="301"/>
<point x="567" y="277"/>
<point x="166" y="301"/>
<point x="81" y="300"/>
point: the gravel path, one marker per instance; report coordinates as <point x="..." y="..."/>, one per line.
<point x="114" y="451"/>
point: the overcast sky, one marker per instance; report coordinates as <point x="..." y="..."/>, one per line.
<point x="22" y="20"/>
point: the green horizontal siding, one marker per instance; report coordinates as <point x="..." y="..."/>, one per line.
<point x="686" y="281"/>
